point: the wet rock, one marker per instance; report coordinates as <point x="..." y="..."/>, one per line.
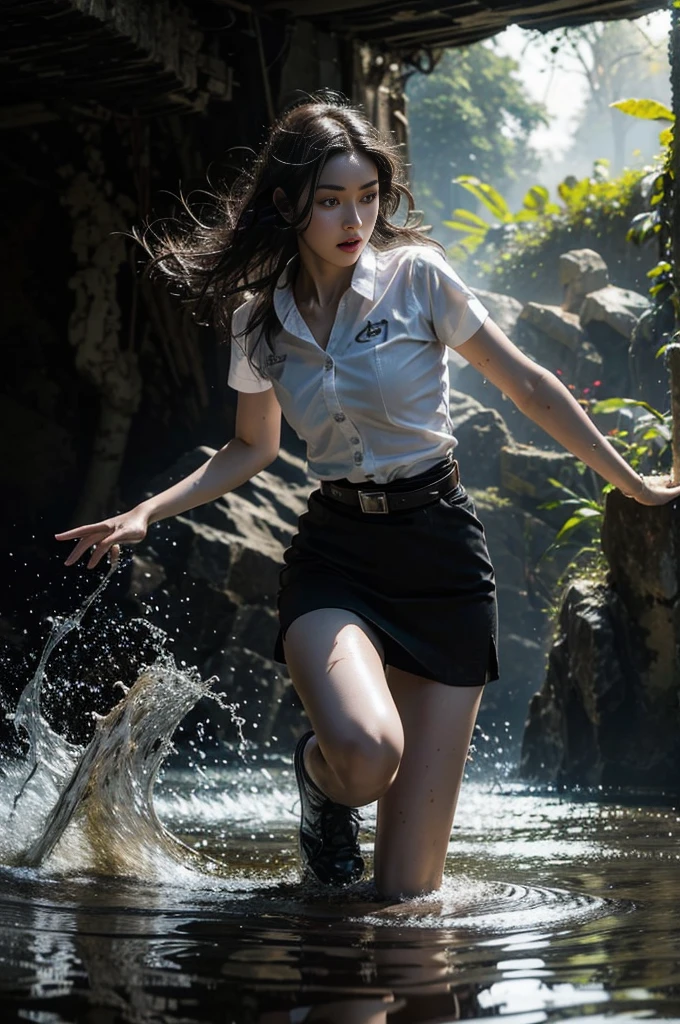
<point x="618" y="308"/>
<point x="466" y="379"/>
<point x="517" y="543"/>
<point x="209" y="577"/>
<point x="503" y="309"/>
<point x="525" y="475"/>
<point x="581" y="271"/>
<point x="642" y="546"/>
<point x="262" y="697"/>
<point x="146" y="576"/>
<point x="609" y="317"/>
<point x="590" y="724"/>
<point x="608" y="712"/>
<point x="556" y="341"/>
<point x="555" y="323"/>
<point x="481" y="433"/>
<point x="256" y="627"/>
<point x="585" y="685"/>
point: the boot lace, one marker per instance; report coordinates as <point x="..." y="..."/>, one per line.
<point x="340" y="826"/>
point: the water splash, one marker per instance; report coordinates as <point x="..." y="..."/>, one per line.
<point x="109" y="797"/>
<point x="91" y="808"/>
<point x="48" y="751"/>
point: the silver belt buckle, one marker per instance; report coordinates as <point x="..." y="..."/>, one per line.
<point x="373" y="501"/>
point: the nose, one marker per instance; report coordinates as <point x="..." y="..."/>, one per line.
<point x="352" y="217"/>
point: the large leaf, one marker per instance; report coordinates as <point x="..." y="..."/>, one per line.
<point x="536" y="199"/>
<point x="648" y="110"/>
<point x="563" y="487"/>
<point x="583" y="515"/>
<point x="487" y="195"/>
<point x="572" y="191"/>
<point x="465" y="229"/>
<point x="580" y="502"/>
<point x="666" y="136"/>
<point x="643" y="227"/>
<point x="470" y="218"/>
<point x="467" y="222"/>
<point x="612" y="404"/>
<point x="661" y="268"/>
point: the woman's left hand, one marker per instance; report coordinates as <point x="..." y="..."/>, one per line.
<point x="658" y="490"/>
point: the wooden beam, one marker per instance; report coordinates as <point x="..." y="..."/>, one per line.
<point x="125" y="55"/>
<point x="404" y="25"/>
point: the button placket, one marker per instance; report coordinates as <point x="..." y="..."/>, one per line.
<point x="345" y="425"/>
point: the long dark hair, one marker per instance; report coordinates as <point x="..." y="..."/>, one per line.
<point x="246" y="243"/>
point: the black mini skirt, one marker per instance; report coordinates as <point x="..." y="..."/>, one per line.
<point x="421" y="578"/>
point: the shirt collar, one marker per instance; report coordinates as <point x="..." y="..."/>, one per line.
<point x="363" y="278"/>
<point x="363" y="282"/>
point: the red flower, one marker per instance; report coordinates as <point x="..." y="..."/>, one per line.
<point x="596" y="383"/>
<point x="586" y="390"/>
<point x="614" y="431"/>
<point x="571" y="386"/>
<point x="559" y="372"/>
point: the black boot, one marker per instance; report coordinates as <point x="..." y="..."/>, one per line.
<point x="328" y="831"/>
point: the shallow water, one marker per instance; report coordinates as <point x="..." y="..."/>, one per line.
<point x="130" y="896"/>
<point x="551" y="909"/>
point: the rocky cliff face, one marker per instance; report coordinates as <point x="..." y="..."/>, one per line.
<point x="608" y="712"/>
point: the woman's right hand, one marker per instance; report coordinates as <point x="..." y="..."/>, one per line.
<point x="127" y="528"/>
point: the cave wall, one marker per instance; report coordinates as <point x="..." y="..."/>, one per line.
<point x="107" y="111"/>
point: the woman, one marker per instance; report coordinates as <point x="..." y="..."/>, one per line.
<point x="387" y="601"/>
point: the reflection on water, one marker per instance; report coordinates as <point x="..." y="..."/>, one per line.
<point x="124" y="902"/>
<point x="551" y="909"/>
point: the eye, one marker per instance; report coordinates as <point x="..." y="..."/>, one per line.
<point x="369" y="198"/>
<point x="330" y="199"/>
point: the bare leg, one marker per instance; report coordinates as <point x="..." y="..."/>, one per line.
<point x="335" y="662"/>
<point x="415" y="814"/>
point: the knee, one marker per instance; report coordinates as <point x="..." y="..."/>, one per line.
<point x="366" y="764"/>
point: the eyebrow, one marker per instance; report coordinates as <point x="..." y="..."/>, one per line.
<point x="341" y="188"/>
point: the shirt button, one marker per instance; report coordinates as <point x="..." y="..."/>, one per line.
<point x="329" y="363"/>
<point x="354" y="440"/>
<point x="340" y="417"/>
<point x="358" y="458"/>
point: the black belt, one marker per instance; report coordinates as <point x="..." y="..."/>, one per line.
<point x="393" y="501"/>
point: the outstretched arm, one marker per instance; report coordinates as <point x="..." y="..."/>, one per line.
<point x="254" y="446"/>
<point x="542" y="396"/>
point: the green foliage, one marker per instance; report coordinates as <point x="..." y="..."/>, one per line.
<point x="471" y="115"/>
<point x="648" y="110"/>
<point x="654" y="222"/>
<point x="598" y="201"/>
<point x="646" y="445"/>
<point x="486" y="249"/>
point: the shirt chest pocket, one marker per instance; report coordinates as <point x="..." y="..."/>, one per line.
<point x="411" y="378"/>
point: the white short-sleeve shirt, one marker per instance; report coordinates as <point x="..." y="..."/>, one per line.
<point x="374" y="405"/>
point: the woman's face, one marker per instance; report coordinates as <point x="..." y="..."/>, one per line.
<point x="344" y="209"/>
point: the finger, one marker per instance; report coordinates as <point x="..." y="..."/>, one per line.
<point x="114" y="555"/>
<point x="80" y="548"/>
<point x="99" y="551"/>
<point x="84" y="531"/>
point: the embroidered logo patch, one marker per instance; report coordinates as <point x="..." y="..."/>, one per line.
<point x="273" y="359"/>
<point x="373" y="331"/>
